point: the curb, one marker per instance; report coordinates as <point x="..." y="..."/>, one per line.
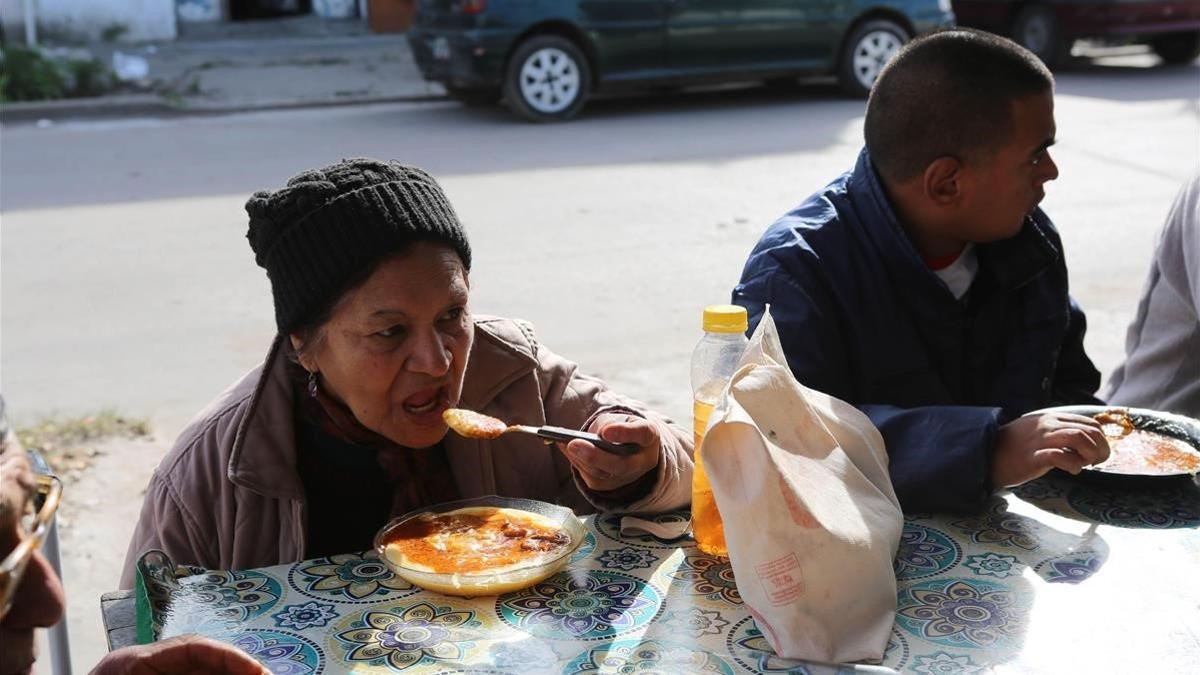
<point x="149" y="105"/>
<point x="88" y="108"/>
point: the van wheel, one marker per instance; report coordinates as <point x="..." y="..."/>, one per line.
<point x="548" y="79"/>
<point x="1176" y="48"/>
<point x="1036" y="29"/>
<point x="867" y="51"/>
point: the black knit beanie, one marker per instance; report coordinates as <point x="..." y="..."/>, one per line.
<point x="330" y="225"/>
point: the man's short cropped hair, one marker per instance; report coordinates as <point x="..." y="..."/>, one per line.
<point x="948" y="93"/>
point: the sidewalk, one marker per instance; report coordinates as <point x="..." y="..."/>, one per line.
<point x="253" y="65"/>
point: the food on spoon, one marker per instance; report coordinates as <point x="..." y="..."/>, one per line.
<point x="475" y="539"/>
<point x="1115" y="423"/>
<point x="1143" y="452"/>
<point x="470" y="424"/>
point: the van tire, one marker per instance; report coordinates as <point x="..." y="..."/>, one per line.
<point x="548" y="79"/>
<point x="867" y="50"/>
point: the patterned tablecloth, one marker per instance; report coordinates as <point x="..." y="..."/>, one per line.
<point x="1063" y="575"/>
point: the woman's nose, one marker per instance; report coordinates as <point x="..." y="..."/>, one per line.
<point x="430" y="355"/>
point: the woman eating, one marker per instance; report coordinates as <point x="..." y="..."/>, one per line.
<point x="341" y="428"/>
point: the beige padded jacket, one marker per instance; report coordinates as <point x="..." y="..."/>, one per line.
<point x="228" y="495"/>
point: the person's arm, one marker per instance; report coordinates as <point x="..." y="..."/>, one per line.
<point x="941" y="458"/>
<point x="938" y="456"/>
<point x="658" y="478"/>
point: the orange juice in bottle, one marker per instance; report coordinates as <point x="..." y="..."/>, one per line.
<point x="713" y="363"/>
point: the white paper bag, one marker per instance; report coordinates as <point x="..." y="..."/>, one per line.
<point x="811" y="520"/>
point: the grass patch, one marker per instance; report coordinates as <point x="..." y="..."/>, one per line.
<point x="29" y="76"/>
<point x="69" y="443"/>
<point x="36" y="75"/>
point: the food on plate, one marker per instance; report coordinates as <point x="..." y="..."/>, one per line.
<point x="470" y="424"/>
<point x="475" y="539"/>
<point x="1141" y="451"/>
<point x="1116" y="423"/>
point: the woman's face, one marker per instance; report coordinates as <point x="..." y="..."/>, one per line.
<point x="395" y="349"/>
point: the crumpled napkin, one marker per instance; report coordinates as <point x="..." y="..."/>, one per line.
<point x="674" y="529"/>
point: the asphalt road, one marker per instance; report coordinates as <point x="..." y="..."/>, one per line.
<point x="128" y="283"/>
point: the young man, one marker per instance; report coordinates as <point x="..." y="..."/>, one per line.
<point x="927" y="288"/>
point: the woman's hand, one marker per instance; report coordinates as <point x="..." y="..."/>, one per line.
<point x="604" y="471"/>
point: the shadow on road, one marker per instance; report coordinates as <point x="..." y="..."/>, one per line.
<point x="142" y="160"/>
<point x="1131" y="83"/>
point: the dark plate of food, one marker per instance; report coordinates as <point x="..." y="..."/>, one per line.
<point x="1143" y="442"/>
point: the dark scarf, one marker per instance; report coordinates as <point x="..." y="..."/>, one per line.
<point x="355" y="480"/>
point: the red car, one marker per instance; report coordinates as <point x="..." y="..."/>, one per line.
<point x="1048" y="28"/>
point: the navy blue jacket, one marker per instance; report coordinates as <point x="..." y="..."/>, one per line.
<point x="862" y="318"/>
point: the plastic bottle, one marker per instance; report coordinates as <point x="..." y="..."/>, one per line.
<point x="713" y="363"/>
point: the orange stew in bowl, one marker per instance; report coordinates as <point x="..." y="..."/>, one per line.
<point x="476" y="539"/>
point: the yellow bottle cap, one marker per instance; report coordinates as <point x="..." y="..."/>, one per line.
<point x="725" y="319"/>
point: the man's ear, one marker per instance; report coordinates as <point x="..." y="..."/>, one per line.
<point x="942" y="180"/>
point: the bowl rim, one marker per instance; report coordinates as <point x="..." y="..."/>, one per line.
<point x="516" y="503"/>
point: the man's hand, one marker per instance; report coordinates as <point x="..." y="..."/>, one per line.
<point x="604" y="471"/>
<point x="1030" y="446"/>
<point x="183" y="655"/>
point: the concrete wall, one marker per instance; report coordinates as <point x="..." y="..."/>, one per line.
<point x="86" y="19"/>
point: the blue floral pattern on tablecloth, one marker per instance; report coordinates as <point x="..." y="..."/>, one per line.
<point x="693" y="621"/>
<point x="924" y="552"/>
<point x="1162" y="508"/>
<point x="584" y="552"/>
<point x="968" y="586"/>
<point x="304" y="616"/>
<point x="235" y="596"/>
<point x="1044" y="489"/>
<point x="961" y="612"/>
<point x="998" y="527"/>
<point x="993" y="565"/>
<point x="750" y="649"/>
<point x="403" y="637"/>
<point x="581" y="605"/>
<point x="708" y="576"/>
<point x="897" y="652"/>
<point x="1069" y="568"/>
<point x="349" y="578"/>
<point x="647" y="656"/>
<point x="627" y="559"/>
<point x="280" y="652"/>
<point x="524" y="656"/>
<point x="941" y="663"/>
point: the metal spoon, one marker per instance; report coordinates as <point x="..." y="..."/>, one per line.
<point x="470" y="424"/>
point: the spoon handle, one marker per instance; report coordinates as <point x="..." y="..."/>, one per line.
<point x="564" y="435"/>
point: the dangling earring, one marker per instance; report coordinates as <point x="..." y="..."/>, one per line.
<point x="312" y="383"/>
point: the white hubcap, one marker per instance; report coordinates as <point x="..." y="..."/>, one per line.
<point x="549" y="80"/>
<point x="872" y="53"/>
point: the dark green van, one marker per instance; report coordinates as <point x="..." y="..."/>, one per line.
<point x="545" y="57"/>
